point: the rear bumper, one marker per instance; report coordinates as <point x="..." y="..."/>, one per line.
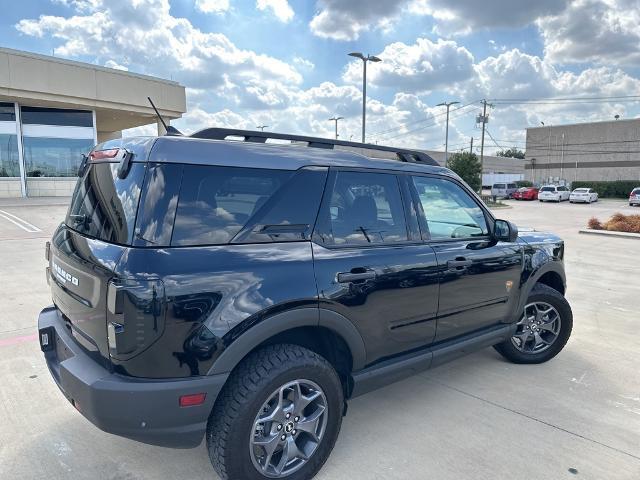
<point x="146" y="410"/>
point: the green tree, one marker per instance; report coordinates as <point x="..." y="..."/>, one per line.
<point x="511" y="152"/>
<point x="467" y="166"/>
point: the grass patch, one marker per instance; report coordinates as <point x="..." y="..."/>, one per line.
<point x="617" y="223"/>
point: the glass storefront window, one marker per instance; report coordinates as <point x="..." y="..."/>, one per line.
<point x="9" y="166"/>
<point x="7" y="112"/>
<point x="54" y="157"/>
<point x="56" y="116"/>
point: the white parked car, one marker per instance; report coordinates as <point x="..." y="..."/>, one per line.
<point x="586" y="195"/>
<point x="634" y="197"/>
<point x="553" y="193"/>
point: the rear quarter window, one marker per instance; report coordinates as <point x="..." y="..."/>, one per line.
<point x="219" y="205"/>
<point x="103" y="205"/>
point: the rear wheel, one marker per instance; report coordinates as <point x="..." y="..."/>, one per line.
<point x="278" y="416"/>
<point x="543" y="329"/>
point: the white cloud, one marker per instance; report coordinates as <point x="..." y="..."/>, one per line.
<point x="280" y="8"/>
<point x="346" y="19"/>
<point x="304" y="63"/>
<point x="144" y="33"/>
<point x="420" y="67"/>
<point x="212" y="6"/>
<point x="115" y="65"/>
<point x="601" y="31"/>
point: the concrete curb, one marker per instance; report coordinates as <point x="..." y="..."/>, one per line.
<point x="607" y="233"/>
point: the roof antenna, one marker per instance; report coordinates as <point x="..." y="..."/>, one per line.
<point x="171" y="131"/>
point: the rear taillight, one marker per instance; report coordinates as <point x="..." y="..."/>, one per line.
<point x="192" y="400"/>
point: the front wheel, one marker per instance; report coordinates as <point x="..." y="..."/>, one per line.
<point x="278" y="417"/>
<point x="542" y="331"/>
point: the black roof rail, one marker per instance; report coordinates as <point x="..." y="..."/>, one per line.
<point x="404" y="155"/>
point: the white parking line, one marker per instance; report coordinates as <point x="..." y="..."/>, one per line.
<point x="23" y="224"/>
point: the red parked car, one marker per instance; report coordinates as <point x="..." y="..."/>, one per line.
<point x="526" y="193"/>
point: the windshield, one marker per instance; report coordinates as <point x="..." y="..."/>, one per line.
<point x="548" y="189"/>
<point x="104" y="206"/>
<point x="499" y="185"/>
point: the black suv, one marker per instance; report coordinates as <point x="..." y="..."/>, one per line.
<point x="243" y="291"/>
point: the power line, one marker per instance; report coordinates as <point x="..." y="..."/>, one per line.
<point x="403" y="125"/>
<point x="551" y="100"/>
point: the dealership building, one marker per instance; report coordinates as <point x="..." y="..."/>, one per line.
<point x="585" y="151"/>
<point x="52" y="111"/>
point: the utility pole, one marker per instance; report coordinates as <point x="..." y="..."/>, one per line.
<point x="446" y="136"/>
<point x="484" y="119"/>
<point x="471" y="146"/>
<point x="335" y="119"/>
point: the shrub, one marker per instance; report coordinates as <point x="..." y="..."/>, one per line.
<point x="624" y="223"/>
<point x="595" y="224"/>
<point x="610" y="189"/>
<point x="617" y="223"/>
<point x="524" y="183"/>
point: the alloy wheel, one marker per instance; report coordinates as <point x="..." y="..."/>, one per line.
<point x="288" y="428"/>
<point x="538" y="328"/>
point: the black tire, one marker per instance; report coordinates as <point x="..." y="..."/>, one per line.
<point x="248" y="388"/>
<point x="542" y="293"/>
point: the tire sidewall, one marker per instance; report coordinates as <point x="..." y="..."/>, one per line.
<point x="555" y="299"/>
<point x="238" y="441"/>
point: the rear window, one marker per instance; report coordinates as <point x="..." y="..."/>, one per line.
<point x="499" y="186"/>
<point x="581" y="190"/>
<point x="219" y="205"/>
<point x="636" y="190"/>
<point x="512" y="185"/>
<point x="548" y="189"/>
<point x="104" y="206"/>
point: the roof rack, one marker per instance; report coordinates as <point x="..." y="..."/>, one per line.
<point x="403" y="155"/>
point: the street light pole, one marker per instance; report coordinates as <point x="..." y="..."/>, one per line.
<point x="368" y="58"/>
<point x="446" y="137"/>
<point x="335" y="119"/>
<point x="262" y="127"/>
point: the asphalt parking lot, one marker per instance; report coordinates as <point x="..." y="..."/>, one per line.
<point x="479" y="417"/>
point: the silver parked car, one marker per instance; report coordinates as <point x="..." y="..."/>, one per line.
<point x="553" y="193"/>
<point x="634" y="197"/>
<point x="584" y="195"/>
<point x="503" y="190"/>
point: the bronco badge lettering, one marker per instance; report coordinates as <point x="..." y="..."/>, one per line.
<point x="63" y="275"/>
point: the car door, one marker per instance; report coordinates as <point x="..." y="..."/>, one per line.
<point x="479" y="277"/>
<point x="371" y="264"/>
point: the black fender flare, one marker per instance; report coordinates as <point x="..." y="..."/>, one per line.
<point x="283" y="321"/>
<point x="552" y="266"/>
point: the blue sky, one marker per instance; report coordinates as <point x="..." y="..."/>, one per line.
<point x="284" y="64"/>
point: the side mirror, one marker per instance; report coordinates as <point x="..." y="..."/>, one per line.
<point x="505" y="231"/>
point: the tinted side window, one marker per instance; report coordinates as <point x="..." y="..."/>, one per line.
<point x="450" y="212"/>
<point x="290" y="214"/>
<point x="512" y="185"/>
<point x="363" y="208"/>
<point x="216" y="202"/>
<point x="158" y="205"/>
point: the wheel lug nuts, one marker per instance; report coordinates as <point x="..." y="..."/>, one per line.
<point x="279" y="427"/>
<point x="296" y="419"/>
<point x="288" y="415"/>
<point x="293" y="432"/>
<point x="283" y="437"/>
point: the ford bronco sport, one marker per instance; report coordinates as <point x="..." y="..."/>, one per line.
<point x="243" y="291"/>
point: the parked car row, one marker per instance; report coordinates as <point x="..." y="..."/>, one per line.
<point x="554" y="193"/>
